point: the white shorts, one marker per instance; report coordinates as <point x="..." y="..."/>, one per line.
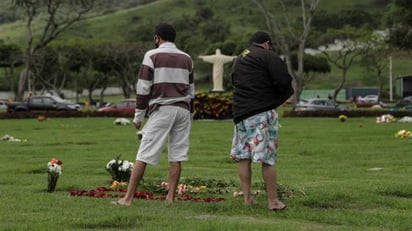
<point x="170" y="122"/>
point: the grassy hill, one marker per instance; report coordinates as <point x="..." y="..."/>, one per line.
<point x="134" y="23"/>
<point x="243" y="17"/>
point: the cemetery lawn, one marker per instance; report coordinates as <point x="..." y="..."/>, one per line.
<point x="352" y="175"/>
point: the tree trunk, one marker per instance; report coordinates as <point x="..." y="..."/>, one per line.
<point x="340" y="86"/>
<point x="22" y="84"/>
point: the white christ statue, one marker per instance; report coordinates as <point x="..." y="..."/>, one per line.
<point x="218" y="60"/>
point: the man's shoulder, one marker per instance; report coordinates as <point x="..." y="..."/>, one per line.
<point x="168" y="50"/>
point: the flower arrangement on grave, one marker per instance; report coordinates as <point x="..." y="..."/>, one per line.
<point x="120" y="170"/>
<point x="11" y="139"/>
<point x="387" y="118"/>
<point x="342" y="118"/>
<point x="403" y="134"/>
<point x="54" y="170"/>
<point x="189" y="189"/>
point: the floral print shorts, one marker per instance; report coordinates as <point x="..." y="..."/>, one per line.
<point x="256" y="138"/>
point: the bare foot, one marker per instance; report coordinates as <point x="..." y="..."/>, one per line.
<point x="250" y="201"/>
<point x="168" y="202"/>
<point x="121" y="202"/>
<point x="276" y="205"/>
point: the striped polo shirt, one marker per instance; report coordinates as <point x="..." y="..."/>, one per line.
<point x="165" y="78"/>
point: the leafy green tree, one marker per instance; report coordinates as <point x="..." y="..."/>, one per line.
<point x="11" y="56"/>
<point x="121" y="63"/>
<point x="76" y="63"/>
<point x="313" y="65"/>
<point x="46" y="70"/>
<point x="324" y="20"/>
<point x="399" y="20"/>
<point x="375" y="59"/>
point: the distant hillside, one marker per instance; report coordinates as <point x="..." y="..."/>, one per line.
<point x="115" y="19"/>
<point x="201" y="24"/>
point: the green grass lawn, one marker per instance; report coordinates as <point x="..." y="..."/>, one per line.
<point x="329" y="161"/>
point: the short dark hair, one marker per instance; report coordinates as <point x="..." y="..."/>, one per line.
<point x="260" y="37"/>
<point x="165" y="31"/>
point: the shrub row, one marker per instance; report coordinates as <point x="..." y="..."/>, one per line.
<point x="353" y="113"/>
<point x="61" y="114"/>
<point x="209" y="106"/>
<point x="213" y="106"/>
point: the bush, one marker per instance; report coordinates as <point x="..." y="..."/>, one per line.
<point x="213" y="106"/>
<point x="353" y="113"/>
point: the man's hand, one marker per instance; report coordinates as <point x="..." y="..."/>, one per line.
<point x="137" y="125"/>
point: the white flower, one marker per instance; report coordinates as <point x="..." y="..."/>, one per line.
<point x="119" y="169"/>
<point x="125" y="166"/>
<point x="110" y="163"/>
<point x="54" y="168"/>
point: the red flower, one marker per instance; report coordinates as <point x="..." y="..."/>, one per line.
<point x="56" y="161"/>
<point x="103" y="192"/>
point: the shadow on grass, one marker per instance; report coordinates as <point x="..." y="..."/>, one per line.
<point x="115" y="222"/>
<point x="70" y="143"/>
<point x="405" y="192"/>
<point x="335" y="201"/>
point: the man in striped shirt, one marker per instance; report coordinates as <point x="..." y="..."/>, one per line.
<point x="165" y="91"/>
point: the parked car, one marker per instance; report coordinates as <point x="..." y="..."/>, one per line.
<point x="124" y="106"/>
<point x="3" y="106"/>
<point x="43" y="103"/>
<point x="404" y="101"/>
<point x="318" y="105"/>
<point x="368" y="99"/>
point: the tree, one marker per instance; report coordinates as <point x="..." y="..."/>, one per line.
<point x="120" y="62"/>
<point x="76" y="61"/>
<point x="349" y="43"/>
<point x="399" y="20"/>
<point x="11" y="57"/>
<point x="288" y="37"/>
<point x="59" y="15"/>
<point x="375" y="59"/>
<point x="48" y="71"/>
<point x="312" y="66"/>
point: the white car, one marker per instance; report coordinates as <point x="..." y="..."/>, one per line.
<point x="370" y="99"/>
<point x="318" y="105"/>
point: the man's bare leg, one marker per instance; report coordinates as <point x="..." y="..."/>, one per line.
<point x="269" y="176"/>
<point x="174" y="176"/>
<point x="245" y="175"/>
<point x="135" y="177"/>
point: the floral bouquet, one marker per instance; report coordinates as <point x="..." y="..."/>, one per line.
<point x="54" y="171"/>
<point x="120" y="170"/>
<point x="403" y="134"/>
<point x="342" y="118"/>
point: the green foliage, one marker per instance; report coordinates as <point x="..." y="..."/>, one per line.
<point x="399" y="19"/>
<point x="312" y="63"/>
<point x="213" y="105"/>
<point x="323" y="20"/>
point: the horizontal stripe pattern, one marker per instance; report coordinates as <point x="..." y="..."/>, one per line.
<point x="171" y="75"/>
<point x="165" y="78"/>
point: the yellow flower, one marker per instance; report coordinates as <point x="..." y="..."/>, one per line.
<point x="342" y="118"/>
<point x="114" y="184"/>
